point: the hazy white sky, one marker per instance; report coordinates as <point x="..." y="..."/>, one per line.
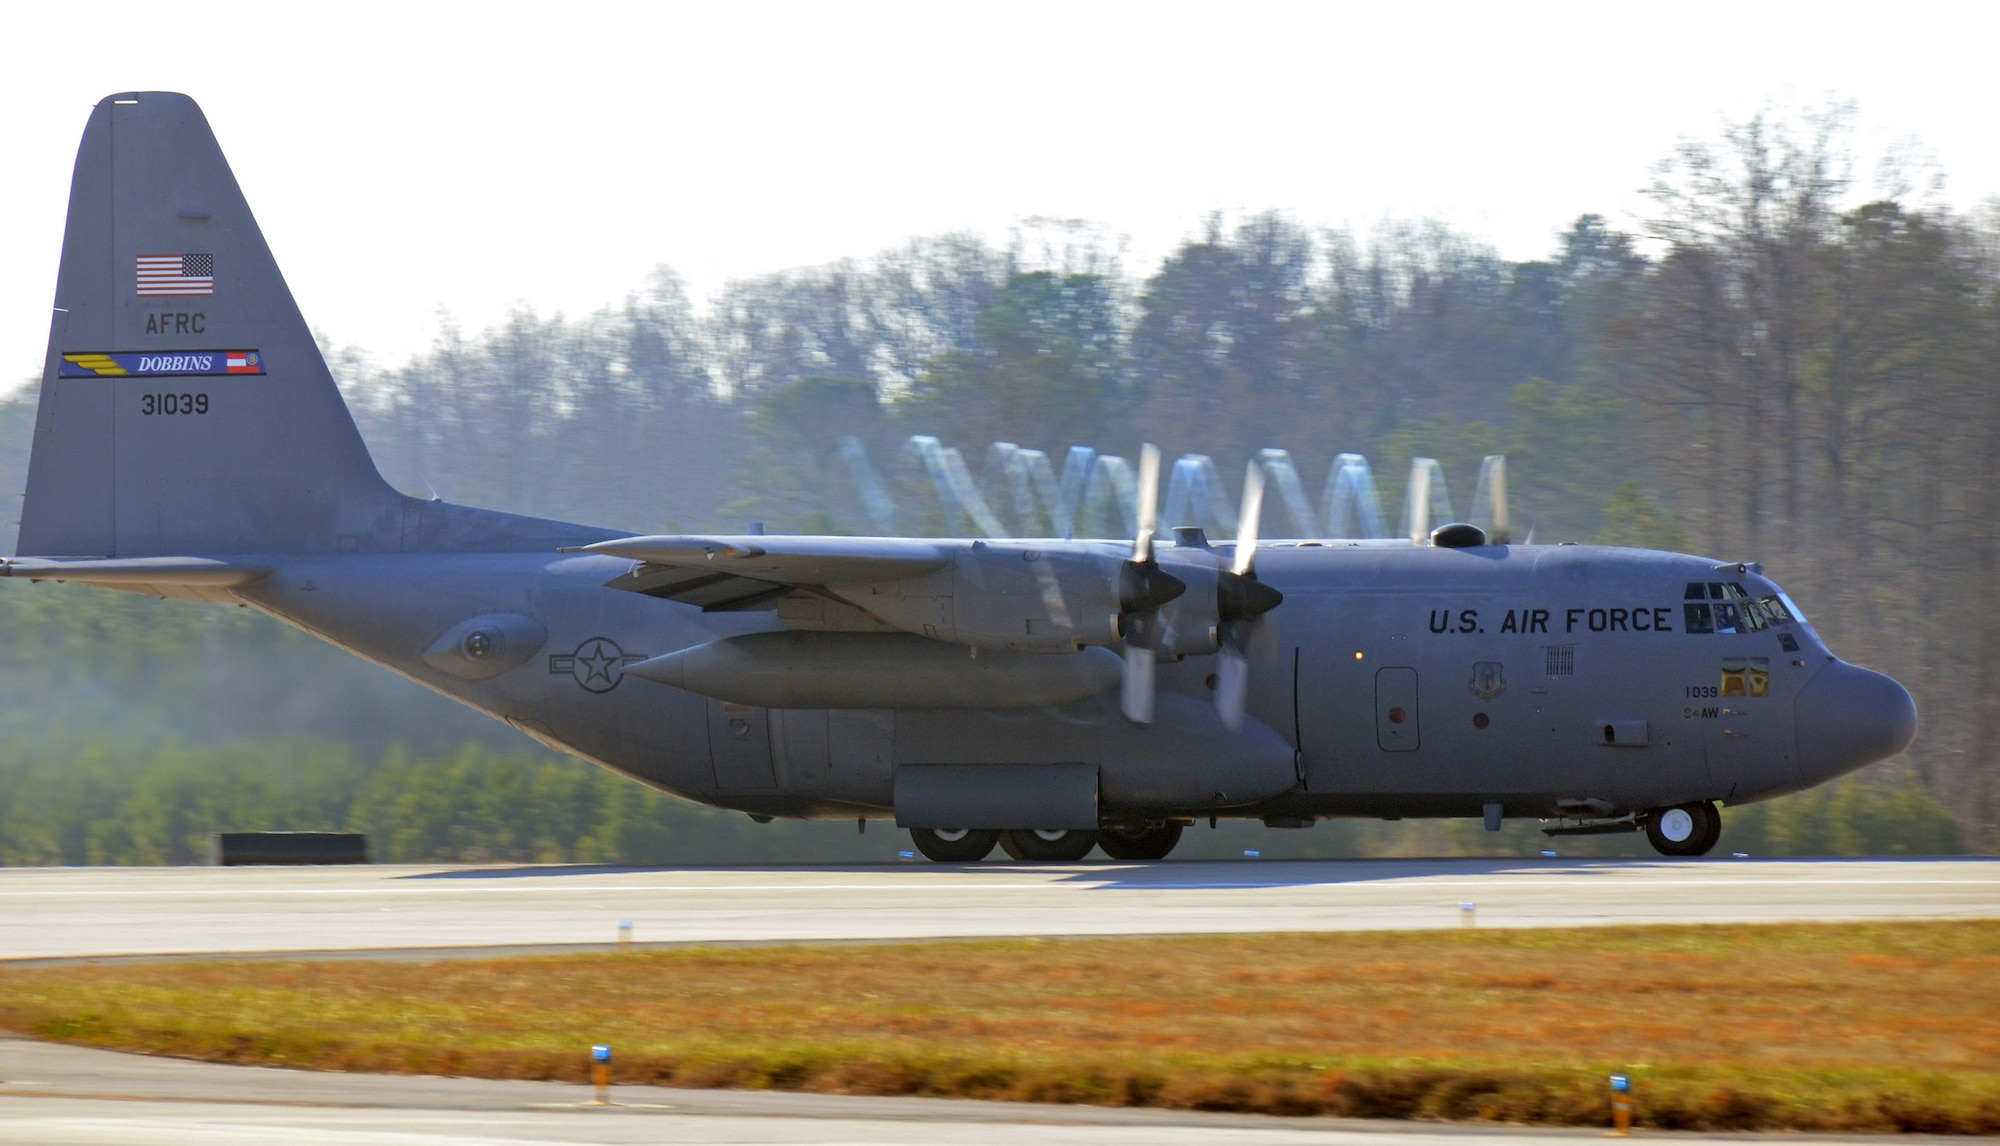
<point x="409" y="157"/>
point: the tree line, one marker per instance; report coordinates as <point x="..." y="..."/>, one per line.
<point x="1772" y="367"/>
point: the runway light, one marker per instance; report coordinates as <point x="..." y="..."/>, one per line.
<point x="624" y="933"/>
<point x="906" y="855"/>
<point x="1468" y="914"/>
<point x="600" y="1072"/>
<point x="1621" y="1106"/>
<point x="1357" y="654"/>
<point x="1547" y="854"/>
<point x="1253" y="855"/>
<point x="1741" y="855"/>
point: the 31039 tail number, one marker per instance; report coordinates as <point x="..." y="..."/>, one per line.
<point x="150" y="404"/>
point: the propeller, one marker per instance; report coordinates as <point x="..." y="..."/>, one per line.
<point x="1240" y="600"/>
<point x="1142" y="588"/>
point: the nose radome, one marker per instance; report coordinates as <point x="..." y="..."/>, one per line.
<point x="1848" y="716"/>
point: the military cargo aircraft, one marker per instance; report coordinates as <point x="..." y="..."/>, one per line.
<point x="1047" y="696"/>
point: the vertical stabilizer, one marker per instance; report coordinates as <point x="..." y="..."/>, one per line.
<point x="185" y="408"/>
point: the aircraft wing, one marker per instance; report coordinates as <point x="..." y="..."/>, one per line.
<point x="751" y="572"/>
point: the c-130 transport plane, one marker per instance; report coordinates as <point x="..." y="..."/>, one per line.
<point x="1045" y="695"/>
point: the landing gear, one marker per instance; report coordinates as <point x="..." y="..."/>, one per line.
<point x="1047" y="847"/>
<point x="1149" y="842"/>
<point x="1684" y="829"/>
<point x="955" y="845"/>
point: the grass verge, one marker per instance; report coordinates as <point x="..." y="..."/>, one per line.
<point x="1880" y="1027"/>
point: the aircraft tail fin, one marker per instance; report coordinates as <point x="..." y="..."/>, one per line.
<point x="185" y="407"/>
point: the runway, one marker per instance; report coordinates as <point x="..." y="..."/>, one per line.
<point x="77" y="1097"/>
<point x="73" y="912"/>
<point x="70" y="1096"/>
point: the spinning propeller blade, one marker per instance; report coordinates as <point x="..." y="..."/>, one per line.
<point x="1137" y="698"/>
<point x="1142" y="588"/>
<point x="1149" y="504"/>
<point x="1240" y="600"/>
<point x="1248" y="520"/>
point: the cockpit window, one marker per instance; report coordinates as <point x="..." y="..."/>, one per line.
<point x="1753" y="611"/>
<point x="1698" y="619"/>
<point x="1728" y="607"/>
<point x="1728" y="618"/>
<point x="1792" y="607"/>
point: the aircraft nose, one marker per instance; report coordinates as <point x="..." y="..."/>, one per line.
<point x="1847" y="716"/>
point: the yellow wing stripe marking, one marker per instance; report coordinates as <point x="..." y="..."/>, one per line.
<point x="95" y="363"/>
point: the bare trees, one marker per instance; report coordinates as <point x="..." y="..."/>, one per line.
<point x="1731" y="316"/>
<point x="1819" y="393"/>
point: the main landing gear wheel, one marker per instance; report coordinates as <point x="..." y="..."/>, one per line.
<point x="1047" y="847"/>
<point x="1147" y="843"/>
<point x="955" y="845"/>
<point x="1684" y="829"/>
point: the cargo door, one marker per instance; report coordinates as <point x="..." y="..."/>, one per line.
<point x="739" y="748"/>
<point x="1396" y="728"/>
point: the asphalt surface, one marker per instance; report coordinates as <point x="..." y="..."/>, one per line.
<point x="51" y="912"/>
<point x="69" y="1095"/>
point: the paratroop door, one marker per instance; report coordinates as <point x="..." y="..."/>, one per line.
<point x="1396" y="710"/>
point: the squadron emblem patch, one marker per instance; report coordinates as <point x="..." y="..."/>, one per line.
<point x="1488" y="680"/>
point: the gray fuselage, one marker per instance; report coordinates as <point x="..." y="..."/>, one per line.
<point x="1395" y="680"/>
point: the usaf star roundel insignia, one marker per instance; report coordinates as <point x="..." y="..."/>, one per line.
<point x="598" y="664"/>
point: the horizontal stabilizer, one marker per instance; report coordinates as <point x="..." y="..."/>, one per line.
<point x="192" y="572"/>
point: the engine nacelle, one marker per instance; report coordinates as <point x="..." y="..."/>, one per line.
<point x="1189" y="621"/>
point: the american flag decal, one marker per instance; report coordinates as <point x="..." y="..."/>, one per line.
<point x="169" y="275"/>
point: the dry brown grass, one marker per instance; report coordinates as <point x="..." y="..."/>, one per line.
<point x="1875" y="1027"/>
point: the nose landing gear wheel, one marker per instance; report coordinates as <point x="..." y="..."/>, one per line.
<point x="1684" y="829"/>
<point x="1047" y="847"/>
<point x="1147" y="843"/>
<point x="955" y="845"/>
